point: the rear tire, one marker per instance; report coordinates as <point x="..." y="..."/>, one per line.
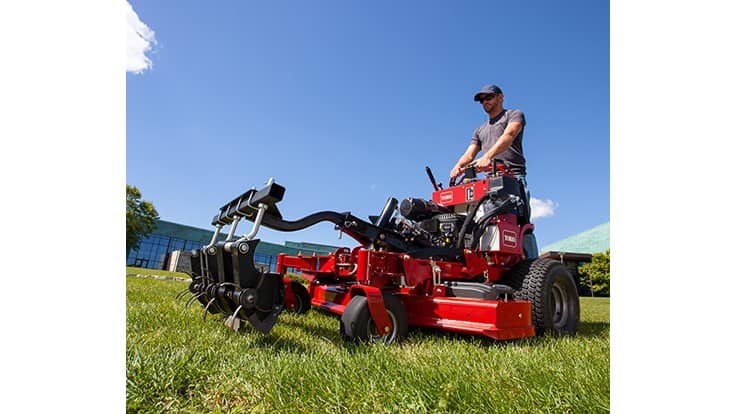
<point x="302" y="300"/>
<point x="548" y="285"/>
<point x="357" y="325"/>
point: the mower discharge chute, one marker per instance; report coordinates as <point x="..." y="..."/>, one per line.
<point x="455" y="262"/>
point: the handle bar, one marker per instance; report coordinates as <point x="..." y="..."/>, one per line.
<point x="496" y="165"/>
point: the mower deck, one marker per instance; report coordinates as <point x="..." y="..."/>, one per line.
<point x="497" y="319"/>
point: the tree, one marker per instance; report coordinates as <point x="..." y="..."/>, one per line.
<point x="140" y="218"/>
<point x="597" y="274"/>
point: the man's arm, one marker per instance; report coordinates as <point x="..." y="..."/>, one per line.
<point x="465" y="159"/>
<point x="503" y="143"/>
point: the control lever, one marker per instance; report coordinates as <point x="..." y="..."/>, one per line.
<point x="431" y="179"/>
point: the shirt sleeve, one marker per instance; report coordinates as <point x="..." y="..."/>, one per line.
<point x="516" y="115"/>
<point x="475" y="139"/>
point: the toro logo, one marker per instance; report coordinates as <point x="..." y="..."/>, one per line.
<point x="509" y="238"/>
<point x="446" y="197"/>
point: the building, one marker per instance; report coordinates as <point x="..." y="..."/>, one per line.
<point x="578" y="249"/>
<point x="167" y="247"/>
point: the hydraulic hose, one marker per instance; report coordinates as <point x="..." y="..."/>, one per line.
<point x="468" y="219"/>
<point x="304" y="222"/>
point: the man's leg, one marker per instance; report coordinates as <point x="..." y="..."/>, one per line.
<point x="529" y="242"/>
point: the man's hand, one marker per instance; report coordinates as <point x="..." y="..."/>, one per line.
<point x="465" y="159"/>
<point x="459" y="169"/>
<point x="482" y="162"/>
<point x="455" y="171"/>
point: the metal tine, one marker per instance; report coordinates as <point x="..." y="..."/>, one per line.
<point x="237" y="310"/>
<point x="204" y="317"/>
<point x="181" y="294"/>
<point x="230" y="321"/>
<point x="236" y="324"/>
<point x="192" y="299"/>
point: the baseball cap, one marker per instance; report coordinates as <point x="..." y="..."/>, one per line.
<point x="488" y="89"/>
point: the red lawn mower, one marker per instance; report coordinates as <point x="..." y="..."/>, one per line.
<point x="453" y="263"/>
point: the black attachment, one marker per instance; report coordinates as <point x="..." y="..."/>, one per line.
<point x="246" y="205"/>
<point x="194" y="259"/>
<point x="235" y="286"/>
<point x="244" y="269"/>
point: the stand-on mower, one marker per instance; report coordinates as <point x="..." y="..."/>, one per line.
<point x="454" y="263"/>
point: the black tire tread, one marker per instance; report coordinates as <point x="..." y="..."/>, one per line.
<point x="528" y="279"/>
<point x="355" y="306"/>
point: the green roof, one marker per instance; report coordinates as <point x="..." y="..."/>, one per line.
<point x="595" y="240"/>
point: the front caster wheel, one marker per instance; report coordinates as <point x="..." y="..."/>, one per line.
<point x="302" y="300"/>
<point x="357" y="325"/>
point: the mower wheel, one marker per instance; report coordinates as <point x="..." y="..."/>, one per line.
<point x="548" y="285"/>
<point x="357" y="325"/>
<point x="303" y="302"/>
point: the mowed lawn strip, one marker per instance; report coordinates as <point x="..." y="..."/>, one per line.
<point x="176" y="362"/>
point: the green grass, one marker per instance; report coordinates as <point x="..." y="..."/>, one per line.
<point x="176" y="362"/>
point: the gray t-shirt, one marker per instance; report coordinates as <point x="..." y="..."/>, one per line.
<point x="489" y="132"/>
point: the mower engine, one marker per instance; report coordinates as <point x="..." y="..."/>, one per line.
<point x="431" y="223"/>
<point x="462" y="217"/>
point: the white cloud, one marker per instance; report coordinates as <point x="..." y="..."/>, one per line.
<point x="542" y="208"/>
<point x="140" y="40"/>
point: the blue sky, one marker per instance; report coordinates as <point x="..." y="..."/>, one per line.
<point x="344" y="103"/>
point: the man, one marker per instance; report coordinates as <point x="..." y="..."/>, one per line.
<point x="500" y="137"/>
